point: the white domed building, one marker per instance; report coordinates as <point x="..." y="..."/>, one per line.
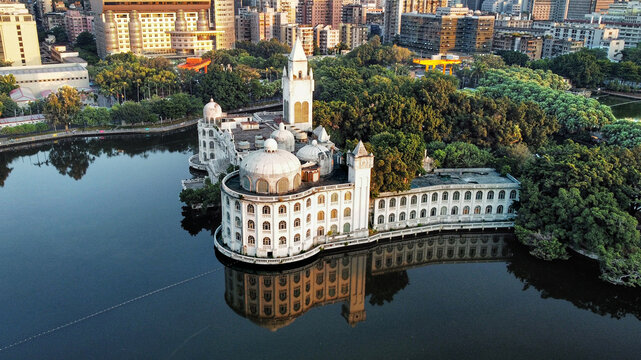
<point x="316" y="154"/>
<point x="270" y="171"/>
<point x="284" y="138"/>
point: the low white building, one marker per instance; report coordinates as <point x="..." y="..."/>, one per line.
<point x="49" y="78"/>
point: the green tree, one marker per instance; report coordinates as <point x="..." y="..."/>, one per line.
<point x="513" y="57"/>
<point x="62" y="106"/>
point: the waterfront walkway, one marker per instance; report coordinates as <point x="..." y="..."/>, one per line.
<point x="341" y="241"/>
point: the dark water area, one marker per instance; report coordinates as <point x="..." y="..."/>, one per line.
<point x="623" y="108"/>
<point x="88" y="225"/>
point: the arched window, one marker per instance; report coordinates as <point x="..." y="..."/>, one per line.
<point x="205" y="155"/>
<point x="321" y="215"/>
<point x="444" y="210"/>
<point x="266" y="210"/>
<point x="477" y="210"/>
<point x="424" y="198"/>
<point x="211" y="132"/>
<point x="490" y="195"/>
<point x="282" y="225"/>
<point x="309" y="203"/>
<point x="513" y="194"/>
<point x="510" y="209"/>
<point x="237" y="205"/>
<point x="250" y="209"/>
<point x="455" y="210"/>
<point x="501" y="195"/>
<point x="211" y="155"/>
<point x="333" y="230"/>
<point x="296" y="207"/>
<point x="296" y="181"/>
<point x="456" y="196"/>
<point x="282" y="209"/>
<point x="308" y="233"/>
<point x="401" y="217"/>
<point x="262" y="186"/>
<point x="211" y="144"/>
<point x="334" y="214"/>
<point x="267" y="241"/>
<point x="251" y="240"/>
<point x="237" y="221"/>
<point x="346" y="228"/>
<point x="321" y="199"/>
<point x="381" y="219"/>
<point x="466" y="210"/>
<point x="309" y="218"/>
<point x="334" y="197"/>
<point x="204" y="133"/>
<point x="348" y="195"/>
<point x="204" y="143"/>
<point x="433" y="212"/>
<point x="499" y="209"/>
<point x="435" y="197"/>
<point x="479" y="195"/>
<point x="414" y="200"/>
<point x="320" y="231"/>
<point x="282" y="186"/>
<point x="392" y="218"/>
<point x="347" y="212"/>
<point x="488" y="209"/>
<point x="266" y="225"/>
<point x="412" y="215"/>
<point x="251" y="225"/>
<point x="468" y="195"/>
<point x="392" y="203"/>
<point x="238" y="237"/>
<point x="381" y="204"/>
<point x="423" y="213"/>
<point x="296" y="238"/>
<point x="296" y="222"/>
<point x="282" y="241"/>
<point x="445" y="195"/>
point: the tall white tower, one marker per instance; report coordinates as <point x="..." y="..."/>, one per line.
<point x="360" y="164"/>
<point x="298" y="89"/>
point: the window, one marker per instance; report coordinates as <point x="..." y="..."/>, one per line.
<point x="424" y="198"/>
<point x="381" y="219"/>
<point x="266" y="225"/>
<point x="455" y="210"/>
<point x="251" y="240"/>
<point x="282" y="241"/>
<point x="466" y="210"/>
<point x="392" y="218"/>
<point x="510" y="210"/>
<point x="444" y="210"/>
<point x="266" y="210"/>
<point x="282" y="225"/>
<point x="320" y="231"/>
<point x="501" y="195"/>
<point x="412" y="215"/>
<point x="237" y="205"/>
<point x="468" y="195"/>
<point x="251" y="225"/>
<point x="477" y="210"/>
<point x="267" y="241"/>
<point x="296" y="207"/>
<point x="479" y="195"/>
<point x="347" y="212"/>
<point x="308" y="233"/>
<point x="435" y="197"/>
<point x="282" y="209"/>
<point x="321" y="199"/>
<point x="237" y="221"/>
<point x="433" y="212"/>
<point x="297" y="238"/>
<point x="513" y="194"/>
<point x="456" y="196"/>
<point x="490" y="195"/>
<point x="488" y="209"/>
<point x="296" y="222"/>
<point x="414" y="200"/>
<point x="499" y="209"/>
<point x="392" y="203"/>
<point x="309" y="203"/>
<point x="309" y="218"/>
<point x="381" y="204"/>
<point x="348" y="195"/>
<point x="445" y="196"/>
<point x="321" y="215"/>
<point x="334" y="214"/>
<point x="401" y="217"/>
<point x="262" y="186"/>
<point x="334" y="197"/>
<point x="423" y="213"/>
<point x="238" y="237"/>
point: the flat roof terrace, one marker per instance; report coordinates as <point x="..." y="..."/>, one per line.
<point x="462" y="176"/>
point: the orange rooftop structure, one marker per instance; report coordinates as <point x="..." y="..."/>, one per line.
<point x="195" y="64"/>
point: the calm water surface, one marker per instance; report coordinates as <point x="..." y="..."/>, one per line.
<point x="623" y="108"/>
<point x="86" y="225"/>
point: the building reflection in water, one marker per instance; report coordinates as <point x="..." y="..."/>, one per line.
<point x="275" y="298"/>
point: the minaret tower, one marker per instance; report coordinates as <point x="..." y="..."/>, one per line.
<point x="298" y="89"/>
<point x="360" y="164"/>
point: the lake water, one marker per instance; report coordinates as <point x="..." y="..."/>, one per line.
<point x="91" y="224"/>
<point x="623" y="108"/>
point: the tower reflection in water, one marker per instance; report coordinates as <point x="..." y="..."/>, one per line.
<point x="275" y="298"/>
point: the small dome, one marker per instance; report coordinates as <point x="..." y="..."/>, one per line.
<point x="212" y="110"/>
<point x="311" y="152"/>
<point x="270" y="171"/>
<point x="284" y="138"/>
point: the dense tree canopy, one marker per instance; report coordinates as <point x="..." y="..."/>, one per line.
<point x="623" y="133"/>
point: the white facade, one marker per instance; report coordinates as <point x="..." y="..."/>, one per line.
<point x="298" y="88"/>
<point x="49" y="77"/>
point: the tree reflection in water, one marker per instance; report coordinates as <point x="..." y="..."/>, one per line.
<point x="195" y="220"/>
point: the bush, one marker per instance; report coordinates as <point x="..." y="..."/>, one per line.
<point x="24" y="129"/>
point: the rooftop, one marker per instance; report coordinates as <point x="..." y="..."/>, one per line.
<point x="339" y="176"/>
<point x="39" y="69"/>
<point x="461" y="177"/>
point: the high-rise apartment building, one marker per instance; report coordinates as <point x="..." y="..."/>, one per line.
<point x="173" y="27"/>
<point x="289" y="33"/>
<point x="527" y="44"/>
<point x="354" y="14"/>
<point x="223" y="20"/>
<point x="18" y="35"/>
<point x="395" y="8"/>
<point x="254" y="26"/>
<point x="449" y="30"/>
<point x="326" y="38"/>
<point x="77" y="22"/>
<point x="353" y="35"/>
<point x="541" y="9"/>
<point x="315" y="12"/>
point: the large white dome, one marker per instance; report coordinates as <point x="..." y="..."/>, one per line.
<point x="270" y="171"/>
<point x="212" y="111"/>
<point x="312" y="152"/>
<point x="284" y="138"/>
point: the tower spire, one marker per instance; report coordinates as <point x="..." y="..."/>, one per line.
<point x="298" y="54"/>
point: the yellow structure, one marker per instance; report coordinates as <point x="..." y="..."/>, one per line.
<point x="432" y="64"/>
<point x="18" y="35"/>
